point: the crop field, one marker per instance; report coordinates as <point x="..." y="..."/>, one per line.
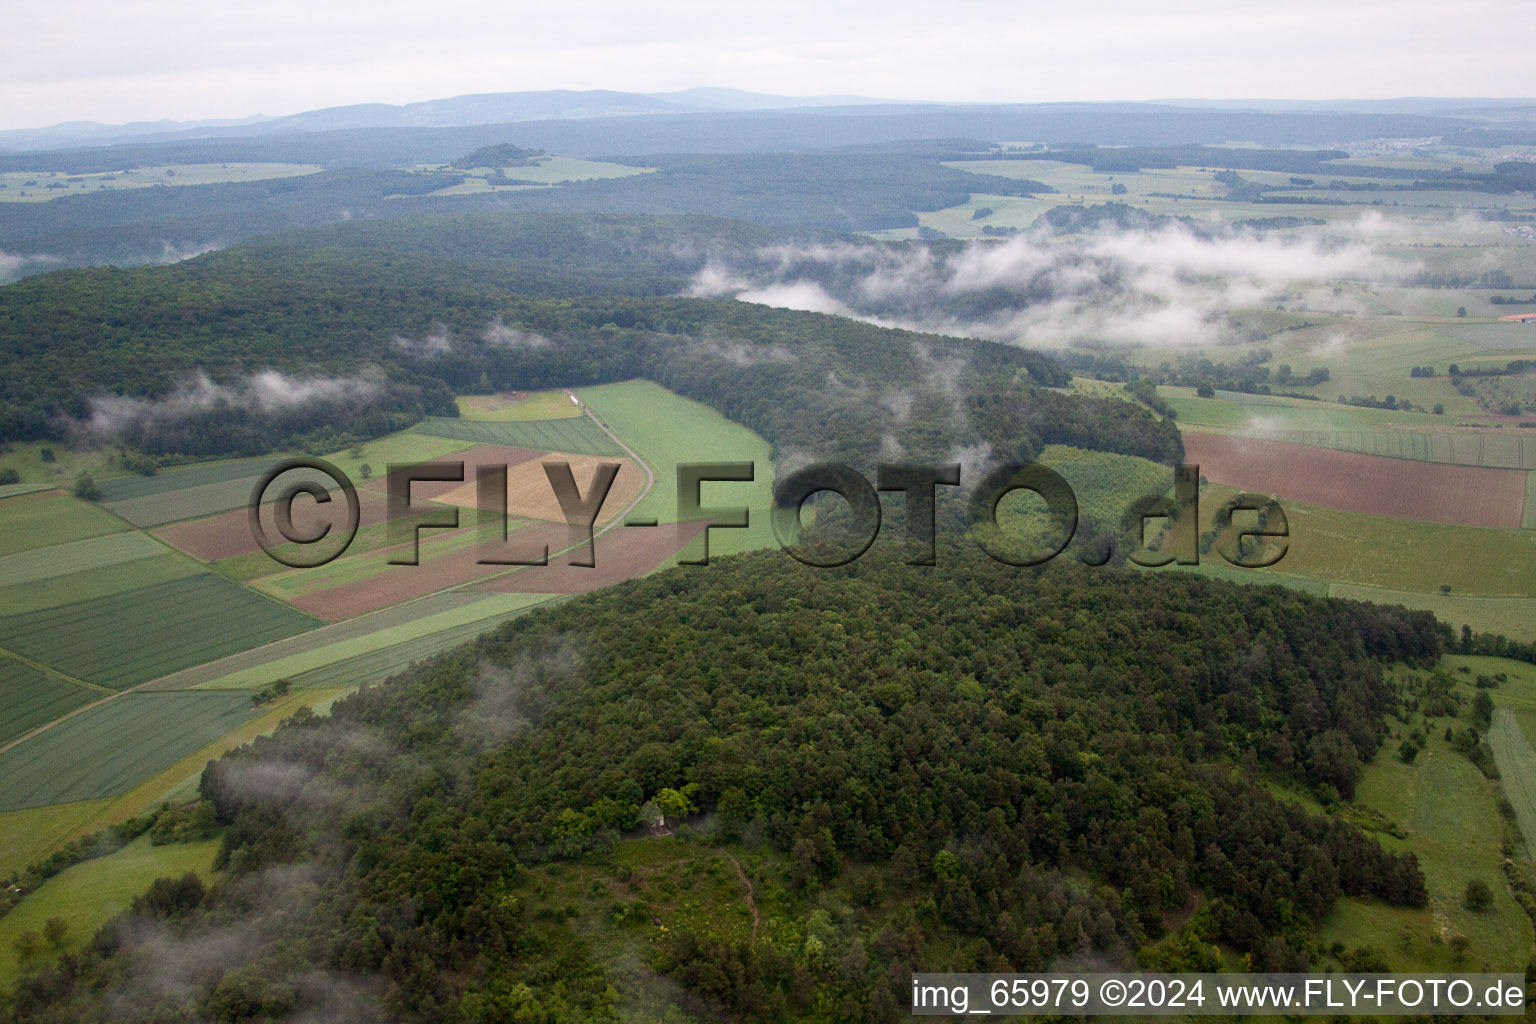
<point x="564" y="435"/>
<point x="618" y="555"/>
<point x="1517" y="768"/>
<point x="1528" y="520"/>
<point x="69" y="588"/>
<point x="1450" y="814"/>
<point x="376" y="622"/>
<point x="386" y="661"/>
<point x="1398" y="554"/>
<point x="41" y="186"/>
<point x="180" y="478"/>
<point x="1367" y="484"/>
<point x="129" y="738"/>
<point x="128" y="638"/>
<point x="168" y="505"/>
<point x="353" y="586"/>
<point x="473" y="457"/>
<point x="47" y="518"/>
<point x="77" y="556"/>
<point x="30" y="698"/>
<point x="530" y="494"/>
<point x="16" y="490"/>
<point x="1491" y="449"/>
<point x="482" y="612"/>
<point x="89" y="894"/>
<point x="665" y="430"/>
<point x="1278" y="414"/>
<point x="510" y="406"/>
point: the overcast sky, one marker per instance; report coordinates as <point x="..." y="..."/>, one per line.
<point x="125" y="60"/>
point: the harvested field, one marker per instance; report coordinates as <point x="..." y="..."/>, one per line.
<point x="622" y="553"/>
<point x="518" y="405"/>
<point x="1459" y="495"/>
<point x="369" y="582"/>
<point x="229" y="533"/>
<point x="473" y="459"/>
<point x="529" y="492"/>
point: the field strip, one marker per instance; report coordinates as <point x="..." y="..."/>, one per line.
<point x="1528" y="517"/>
<point x="1517" y="770"/>
<point x="75" y="556"/>
<point x="348" y="629"/>
<point x="14" y="490"/>
<point x="425" y="627"/>
<point x="6" y="652"/>
<point x="151" y="790"/>
<point x="618" y="520"/>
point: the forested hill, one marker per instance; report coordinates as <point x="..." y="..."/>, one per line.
<point x="965" y="768"/>
<point x="398" y="331"/>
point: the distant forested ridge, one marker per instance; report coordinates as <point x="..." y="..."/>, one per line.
<point x="964" y="768"/>
<point x="431" y="325"/>
<point x="828" y="191"/>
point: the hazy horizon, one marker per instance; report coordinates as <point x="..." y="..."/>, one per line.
<point x="186" y="61"/>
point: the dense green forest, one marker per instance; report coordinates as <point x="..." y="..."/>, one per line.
<point x="968" y="767"/>
<point x="418" y="326"/>
<point x="830" y="191"/>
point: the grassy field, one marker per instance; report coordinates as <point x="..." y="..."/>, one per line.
<point x="89" y="894"/>
<point x="383" y="662"/>
<point x="1514" y="617"/>
<point x="576" y="436"/>
<point x="41" y="186"/>
<point x="544" y="171"/>
<point x="131" y="637"/>
<point x="170" y="504"/>
<point x="1398" y="554"/>
<point x="128" y="738"/>
<point x="1517" y="770"/>
<point x="1235" y="414"/>
<point x="1528" y="520"/>
<point x="1450" y="814"/>
<point x="540" y="405"/>
<point x="30" y="698"/>
<point x="407" y="446"/>
<point x="42" y="520"/>
<point x="27" y="835"/>
<point x="354" y="568"/>
<point x="666" y="430"/>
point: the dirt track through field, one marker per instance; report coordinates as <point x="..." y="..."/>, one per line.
<point x="1369" y="484"/>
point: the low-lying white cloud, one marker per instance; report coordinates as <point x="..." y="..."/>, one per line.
<point x="268" y="391"/>
<point x="1175" y="285"/>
